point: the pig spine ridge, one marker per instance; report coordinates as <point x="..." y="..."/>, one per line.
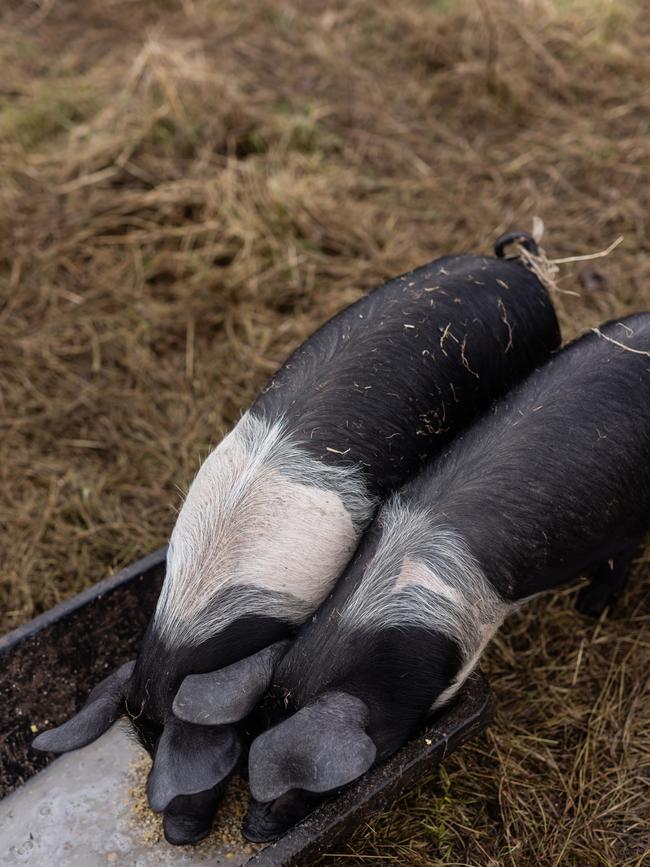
<point x="266" y="520"/>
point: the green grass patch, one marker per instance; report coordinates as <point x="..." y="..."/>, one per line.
<point x="51" y="112"/>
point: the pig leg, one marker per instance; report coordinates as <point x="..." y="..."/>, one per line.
<point x="608" y="581"/>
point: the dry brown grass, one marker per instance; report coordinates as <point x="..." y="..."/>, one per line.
<point x="188" y="188"/>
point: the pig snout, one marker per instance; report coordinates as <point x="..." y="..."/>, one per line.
<point x="268" y="821"/>
<point x="188" y="818"/>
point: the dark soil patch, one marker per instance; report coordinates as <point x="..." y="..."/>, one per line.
<point x="45" y="677"/>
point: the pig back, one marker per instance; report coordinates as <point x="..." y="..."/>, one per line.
<point x="391" y="379"/>
<point x="557" y="478"/>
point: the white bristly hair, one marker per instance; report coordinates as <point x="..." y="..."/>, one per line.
<point x="265" y="529"/>
<point x="423" y="574"/>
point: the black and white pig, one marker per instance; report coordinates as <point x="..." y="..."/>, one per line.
<point x="552" y="484"/>
<point x="277" y="509"/>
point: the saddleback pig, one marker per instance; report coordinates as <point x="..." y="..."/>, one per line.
<point x="277" y="509"/>
<point x="552" y="484"/>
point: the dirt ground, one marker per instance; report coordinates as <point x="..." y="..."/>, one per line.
<point x="188" y="188"/>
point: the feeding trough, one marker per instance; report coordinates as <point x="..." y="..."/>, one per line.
<point x="81" y="810"/>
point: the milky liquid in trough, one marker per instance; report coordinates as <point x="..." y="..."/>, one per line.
<point x="79" y="812"/>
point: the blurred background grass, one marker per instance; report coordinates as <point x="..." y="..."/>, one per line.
<point x="187" y="189"/>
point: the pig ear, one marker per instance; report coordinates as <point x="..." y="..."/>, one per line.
<point x="100" y="711"/>
<point x="230" y="694"/>
<point x="322" y="747"/>
<point x="190" y="759"/>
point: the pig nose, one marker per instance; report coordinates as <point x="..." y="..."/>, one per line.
<point x="188" y="818"/>
<point x="259" y="825"/>
<point x="185" y="830"/>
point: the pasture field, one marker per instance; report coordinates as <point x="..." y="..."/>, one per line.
<point x="189" y="187"/>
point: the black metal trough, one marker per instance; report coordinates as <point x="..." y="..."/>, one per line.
<point x="48" y="666"/>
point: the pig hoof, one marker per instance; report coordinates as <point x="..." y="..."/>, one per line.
<point x="592" y="601"/>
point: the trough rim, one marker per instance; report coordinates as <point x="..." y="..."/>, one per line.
<point x="91" y="594"/>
